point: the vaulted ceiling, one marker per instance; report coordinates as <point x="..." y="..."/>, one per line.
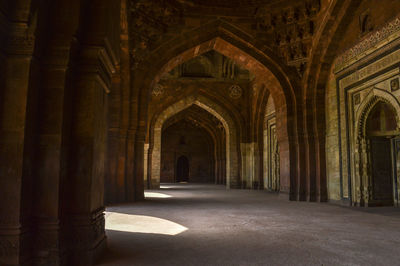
<point x="285" y="26"/>
<point x="194" y="116"/>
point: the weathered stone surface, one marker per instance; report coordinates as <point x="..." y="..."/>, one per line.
<point x="281" y="92"/>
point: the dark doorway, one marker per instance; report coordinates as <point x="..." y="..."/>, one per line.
<point x="182" y="169"/>
<point x="381" y="128"/>
<point x="382" y="179"/>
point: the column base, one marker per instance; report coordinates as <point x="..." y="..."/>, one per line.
<point x="14" y="245"/>
<point x="86" y="238"/>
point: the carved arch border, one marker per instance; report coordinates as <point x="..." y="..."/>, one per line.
<point x="374" y="96"/>
<point x="232" y="163"/>
<point x="361" y="181"/>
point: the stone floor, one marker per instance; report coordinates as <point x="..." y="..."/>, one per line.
<point x="184" y="224"/>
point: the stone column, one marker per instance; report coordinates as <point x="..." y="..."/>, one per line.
<point x="114" y="182"/>
<point x="146" y="164"/>
<point x="52" y="125"/>
<point x="119" y="105"/>
<point x="84" y="198"/>
<point x="249" y="164"/>
<point x="17" y="102"/>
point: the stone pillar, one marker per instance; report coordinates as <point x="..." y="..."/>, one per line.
<point x="146" y="164"/>
<point x="130" y="171"/>
<point x="17" y="100"/>
<point x="249" y="164"/>
<point x="139" y="165"/>
<point x="52" y="124"/>
<point x="84" y="198"/>
<point x="113" y="140"/>
<point x="111" y="182"/>
<point x="49" y="156"/>
<point x="119" y="105"/>
<point x="156" y="160"/>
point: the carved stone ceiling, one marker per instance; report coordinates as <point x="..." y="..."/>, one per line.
<point x="286" y="26"/>
<point x="194" y="116"/>
<point x="210" y="66"/>
<point x="228" y="3"/>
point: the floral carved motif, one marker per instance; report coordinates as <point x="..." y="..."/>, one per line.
<point x="149" y="21"/>
<point x="235" y="92"/>
<point x="371" y="41"/>
<point x="8" y="248"/>
<point x="289" y="30"/>
<point x="157" y="90"/>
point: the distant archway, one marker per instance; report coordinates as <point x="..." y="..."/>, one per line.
<point x="232" y="163"/>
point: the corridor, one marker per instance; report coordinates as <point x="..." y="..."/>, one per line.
<point x="188" y="224"/>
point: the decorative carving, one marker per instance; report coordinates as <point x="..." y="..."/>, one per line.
<point x="235" y="91"/>
<point x="365" y="22"/>
<point x="394" y="84"/>
<point x="370" y="42"/>
<point x="87" y="229"/>
<point x="98" y="227"/>
<point x="289" y="31"/>
<point x="275" y="161"/>
<point x="157" y="90"/>
<point x="210" y="65"/>
<point x="362" y="164"/>
<point x="370" y="69"/>
<point x="362" y="120"/>
<point x="149" y="21"/>
<point x="228" y="68"/>
<point x="8" y="248"/>
<point x="356" y="99"/>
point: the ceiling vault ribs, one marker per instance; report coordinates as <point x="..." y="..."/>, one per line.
<point x="287" y="27"/>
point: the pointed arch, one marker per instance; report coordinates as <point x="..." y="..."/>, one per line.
<point x="281" y="81"/>
<point x="361" y="178"/>
<point x="374" y="97"/>
<point x="232" y="163"/>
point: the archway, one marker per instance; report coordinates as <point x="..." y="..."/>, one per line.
<point x="264" y="65"/>
<point x="232" y="164"/>
<point x="381" y="128"/>
<point x="198" y="135"/>
<point x="182" y="169"/>
<point x="376" y="147"/>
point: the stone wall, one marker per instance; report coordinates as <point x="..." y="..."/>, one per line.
<point x="185" y="139"/>
<point x="364" y="69"/>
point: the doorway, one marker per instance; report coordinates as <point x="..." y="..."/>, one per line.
<point x="381" y="131"/>
<point x="382" y="180"/>
<point x="182" y="169"/>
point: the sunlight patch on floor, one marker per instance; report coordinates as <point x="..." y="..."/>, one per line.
<point x="156" y="195"/>
<point x="142" y="224"/>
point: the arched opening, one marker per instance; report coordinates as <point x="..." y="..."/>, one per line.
<point x="267" y="71"/>
<point x="381" y="129"/>
<point x="376" y="151"/>
<point x="194" y="134"/>
<point x="182" y="169"/>
<point x="222" y="154"/>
